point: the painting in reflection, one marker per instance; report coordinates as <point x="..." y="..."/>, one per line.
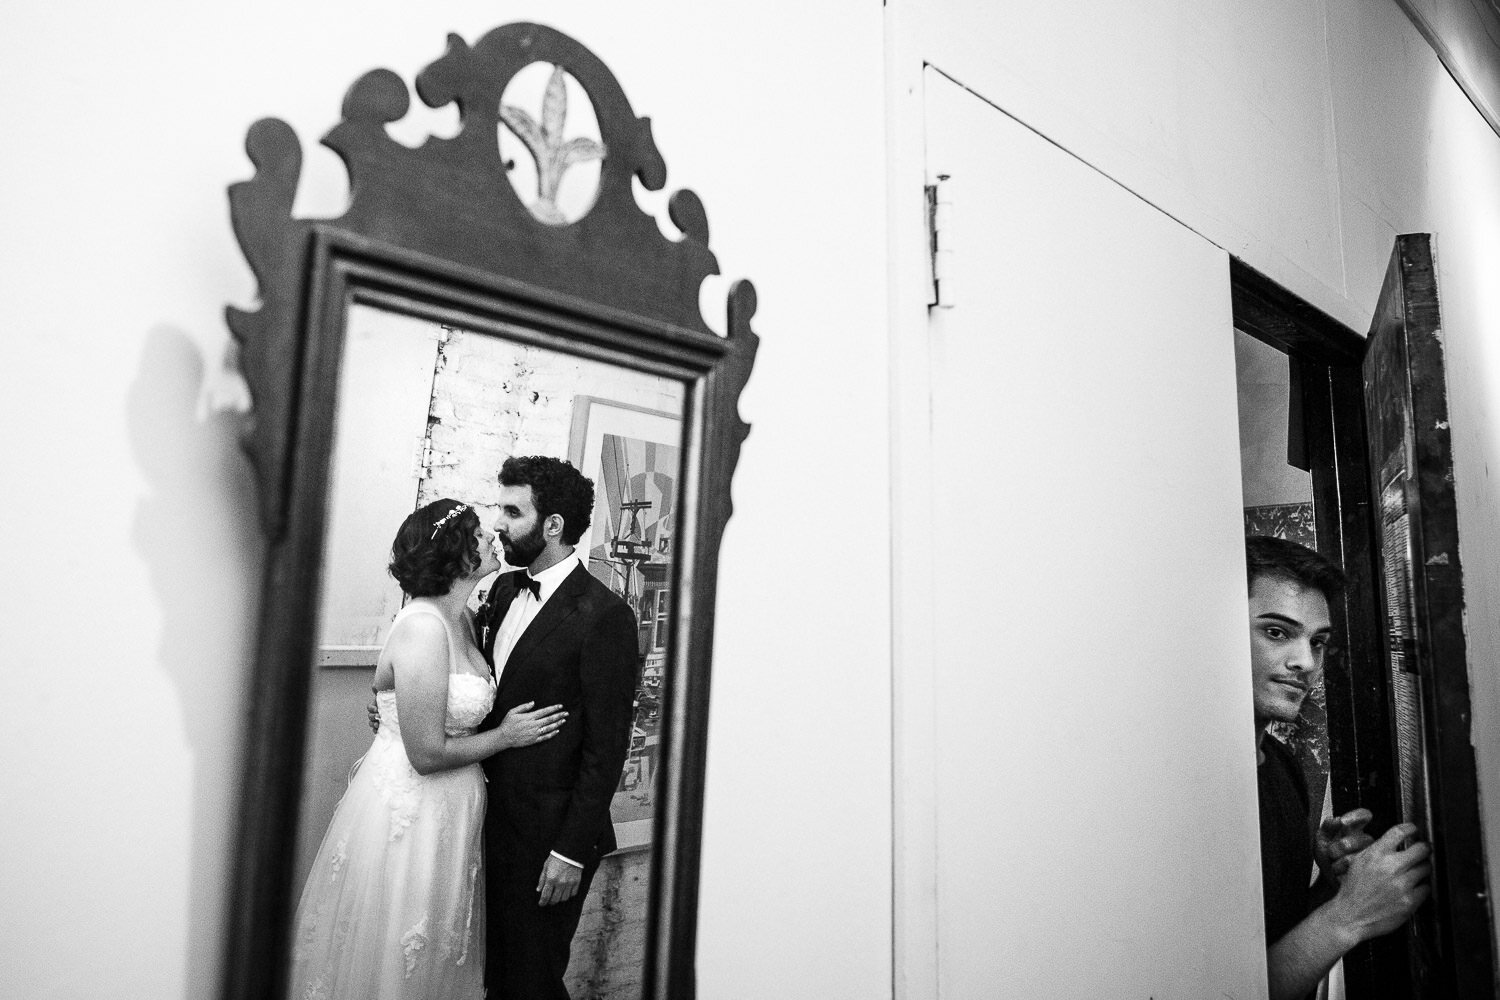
<point x="427" y="412"/>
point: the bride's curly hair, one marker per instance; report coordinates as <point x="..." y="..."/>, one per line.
<point x="435" y="547"/>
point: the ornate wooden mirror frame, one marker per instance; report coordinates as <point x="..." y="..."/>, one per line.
<point x="439" y="232"/>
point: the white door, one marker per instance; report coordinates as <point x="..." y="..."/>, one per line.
<point x="1093" y="771"/>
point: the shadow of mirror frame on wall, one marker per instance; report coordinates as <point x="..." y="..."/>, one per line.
<point x="438" y="240"/>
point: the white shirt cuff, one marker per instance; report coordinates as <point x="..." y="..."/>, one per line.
<point x="568" y="860"/>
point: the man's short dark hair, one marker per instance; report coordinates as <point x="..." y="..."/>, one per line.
<point x="435" y="546"/>
<point x="556" y="488"/>
<point x="1279" y="559"/>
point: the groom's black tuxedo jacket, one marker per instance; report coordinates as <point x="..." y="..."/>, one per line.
<point x="580" y="651"/>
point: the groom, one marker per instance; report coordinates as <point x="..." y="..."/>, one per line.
<point x="555" y="636"/>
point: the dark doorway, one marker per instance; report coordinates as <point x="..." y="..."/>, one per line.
<point x="1392" y="734"/>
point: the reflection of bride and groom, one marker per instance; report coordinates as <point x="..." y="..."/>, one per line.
<point x="419" y="889"/>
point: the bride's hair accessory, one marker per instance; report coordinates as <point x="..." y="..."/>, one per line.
<point x="446" y="518"/>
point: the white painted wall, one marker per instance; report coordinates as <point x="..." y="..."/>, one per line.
<point x="1263" y="381"/>
<point x="1097" y="829"/>
<point x="130" y="532"/>
<point x="1299" y="135"/>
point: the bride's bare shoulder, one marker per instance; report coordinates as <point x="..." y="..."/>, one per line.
<point x="417" y="635"/>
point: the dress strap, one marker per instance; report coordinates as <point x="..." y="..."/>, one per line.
<point x="414" y="607"/>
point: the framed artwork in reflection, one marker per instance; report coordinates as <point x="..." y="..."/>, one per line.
<point x="634" y="457"/>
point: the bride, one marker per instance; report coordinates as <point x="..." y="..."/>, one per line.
<point x="394" y="904"/>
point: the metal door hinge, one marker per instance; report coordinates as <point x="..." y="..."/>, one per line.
<point x="940" y="241"/>
<point x="429" y="459"/>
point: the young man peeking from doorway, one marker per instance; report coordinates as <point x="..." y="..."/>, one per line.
<point x="1365" y="887"/>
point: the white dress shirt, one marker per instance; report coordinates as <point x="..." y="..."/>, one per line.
<point x="524" y="607"/>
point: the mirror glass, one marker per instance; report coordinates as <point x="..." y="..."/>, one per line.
<point x="427" y="411"/>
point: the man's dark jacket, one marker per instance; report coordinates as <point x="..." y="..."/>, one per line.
<point x="580" y="651"/>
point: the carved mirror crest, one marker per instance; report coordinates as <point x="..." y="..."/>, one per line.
<point x="495" y="293"/>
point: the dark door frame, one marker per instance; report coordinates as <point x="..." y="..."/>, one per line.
<point x="1327" y="383"/>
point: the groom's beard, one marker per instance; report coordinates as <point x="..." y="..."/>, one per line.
<point x="524" y="550"/>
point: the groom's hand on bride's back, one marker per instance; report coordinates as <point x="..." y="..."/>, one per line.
<point x="372" y="710"/>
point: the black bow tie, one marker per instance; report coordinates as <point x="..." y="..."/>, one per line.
<point x="533" y="585"/>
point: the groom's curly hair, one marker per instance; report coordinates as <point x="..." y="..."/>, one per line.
<point x="434" y="547"/>
<point x="556" y="488"/>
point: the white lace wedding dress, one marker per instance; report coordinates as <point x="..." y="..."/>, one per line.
<point x="393" y="908"/>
